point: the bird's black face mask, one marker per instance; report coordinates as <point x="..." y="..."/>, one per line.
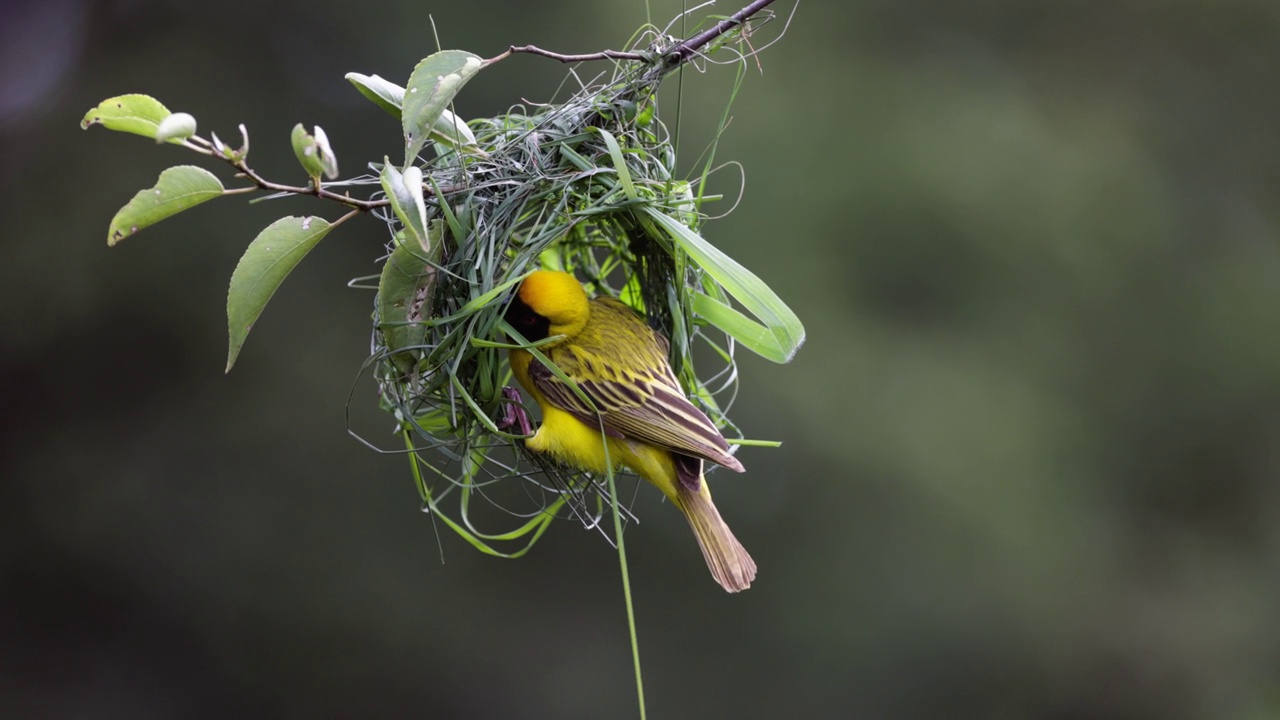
<point x="530" y="324"/>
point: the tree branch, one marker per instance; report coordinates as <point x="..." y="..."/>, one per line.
<point x="680" y="53"/>
<point x="314" y="189"/>
<point x="214" y="150"/>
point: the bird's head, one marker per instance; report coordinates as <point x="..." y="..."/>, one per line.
<point x="549" y="303"/>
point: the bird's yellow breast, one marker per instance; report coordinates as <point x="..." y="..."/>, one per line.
<point x="578" y="444"/>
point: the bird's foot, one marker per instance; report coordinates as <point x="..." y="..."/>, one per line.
<point x="513" y="414"/>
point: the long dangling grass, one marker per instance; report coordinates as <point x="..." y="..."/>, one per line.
<point x="586" y="185"/>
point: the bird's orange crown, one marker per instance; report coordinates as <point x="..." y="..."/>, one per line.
<point x="558" y="297"/>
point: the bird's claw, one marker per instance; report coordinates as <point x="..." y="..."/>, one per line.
<point x="513" y="414"/>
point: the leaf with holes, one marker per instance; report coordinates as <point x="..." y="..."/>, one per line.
<point x="137" y="114"/>
<point x="432" y="86"/>
<point x="179" y="188"/>
<point x="404" y="295"/>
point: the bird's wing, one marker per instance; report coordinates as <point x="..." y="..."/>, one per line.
<point x="643" y="402"/>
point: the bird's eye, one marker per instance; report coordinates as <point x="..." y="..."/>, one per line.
<point x="529" y="320"/>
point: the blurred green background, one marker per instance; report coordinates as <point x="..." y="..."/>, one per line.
<point x="1030" y="449"/>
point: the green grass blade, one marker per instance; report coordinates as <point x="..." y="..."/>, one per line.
<point x="784" y="333"/>
<point x="536" y="525"/>
<point x="752" y="335"/>
<point x="619" y="163"/>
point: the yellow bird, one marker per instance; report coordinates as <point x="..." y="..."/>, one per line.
<point x="644" y="421"/>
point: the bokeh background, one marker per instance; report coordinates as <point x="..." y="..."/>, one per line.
<point x="1031" y="448"/>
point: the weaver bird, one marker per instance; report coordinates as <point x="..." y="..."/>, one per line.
<point x="638" y="412"/>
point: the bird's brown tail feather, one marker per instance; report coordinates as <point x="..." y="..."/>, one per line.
<point x="728" y="561"/>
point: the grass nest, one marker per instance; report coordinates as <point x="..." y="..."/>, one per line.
<point x="585" y="185"/>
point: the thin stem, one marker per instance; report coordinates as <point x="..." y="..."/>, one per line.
<point x="679" y="54"/>
<point x="344" y="218"/>
<point x="314" y="189"/>
<point x="626" y="591"/>
<point x="602" y="55"/>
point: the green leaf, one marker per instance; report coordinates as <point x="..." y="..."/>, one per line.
<point x="265" y="264"/>
<point x="304" y="147"/>
<point x="179" y="188"/>
<point x="777" y="336"/>
<point x="452" y="132"/>
<point x="137" y="114"/>
<point x="449" y="129"/>
<point x="314" y="153"/>
<point x="404" y="296"/>
<point x="404" y="191"/>
<point x="384" y="93"/>
<point x="432" y="86"/>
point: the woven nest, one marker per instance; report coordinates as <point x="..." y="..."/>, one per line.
<point x="568" y="186"/>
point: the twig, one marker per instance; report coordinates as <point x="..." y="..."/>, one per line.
<point x="683" y="51"/>
<point x="679" y="53"/>
<point x="313" y="189"/>
<point x="602" y="55"/>
<point x="204" y="147"/>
